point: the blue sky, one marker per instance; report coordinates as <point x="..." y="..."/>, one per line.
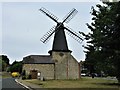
<point x="23" y="25"/>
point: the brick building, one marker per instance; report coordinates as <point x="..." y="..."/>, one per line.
<point x="57" y="65"/>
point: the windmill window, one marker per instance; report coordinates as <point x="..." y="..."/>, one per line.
<point x="61" y="54"/>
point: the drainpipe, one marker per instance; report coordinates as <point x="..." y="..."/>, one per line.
<point x="54" y="72"/>
<point x="79" y="70"/>
<point x="67" y="68"/>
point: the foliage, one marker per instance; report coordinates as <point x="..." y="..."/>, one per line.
<point x="5" y="59"/>
<point x="28" y="77"/>
<point x="23" y="77"/>
<point x="0" y="64"/>
<point x="4" y="66"/>
<point x="103" y="48"/>
<point x="23" y="73"/>
<point x="16" y="67"/>
<point x="4" y="62"/>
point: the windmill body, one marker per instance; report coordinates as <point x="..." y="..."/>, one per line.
<point x="60" y="42"/>
<point x="66" y="66"/>
<point x="60" y="64"/>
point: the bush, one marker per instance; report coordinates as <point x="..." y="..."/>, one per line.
<point x="23" y="72"/>
<point x="23" y="77"/>
<point x="28" y="77"/>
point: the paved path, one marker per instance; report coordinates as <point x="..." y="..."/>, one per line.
<point x="30" y="85"/>
<point x="10" y="84"/>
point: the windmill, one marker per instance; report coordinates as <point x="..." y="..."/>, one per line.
<point x="60" y="42"/>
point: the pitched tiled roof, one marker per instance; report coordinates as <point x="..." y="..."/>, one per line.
<point x="38" y="59"/>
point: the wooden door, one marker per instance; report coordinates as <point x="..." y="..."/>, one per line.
<point x="33" y="74"/>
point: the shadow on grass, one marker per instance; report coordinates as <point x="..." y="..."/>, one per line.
<point x="111" y="84"/>
<point x="77" y="89"/>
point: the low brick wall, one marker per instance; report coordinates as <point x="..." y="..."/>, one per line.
<point x="46" y="70"/>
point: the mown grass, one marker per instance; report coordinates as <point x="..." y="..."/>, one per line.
<point x="5" y="75"/>
<point x="81" y="83"/>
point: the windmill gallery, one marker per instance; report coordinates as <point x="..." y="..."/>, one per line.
<point x="60" y="64"/>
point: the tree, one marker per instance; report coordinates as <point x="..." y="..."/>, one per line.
<point x="4" y="62"/>
<point x="103" y="42"/>
<point x="5" y="59"/>
<point x="16" y="67"/>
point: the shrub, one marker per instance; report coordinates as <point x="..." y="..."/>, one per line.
<point x="23" y="77"/>
<point x="28" y="76"/>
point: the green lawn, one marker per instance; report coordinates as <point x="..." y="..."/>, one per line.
<point x="5" y="75"/>
<point x="81" y="83"/>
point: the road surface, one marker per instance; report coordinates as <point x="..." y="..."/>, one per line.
<point x="10" y="84"/>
